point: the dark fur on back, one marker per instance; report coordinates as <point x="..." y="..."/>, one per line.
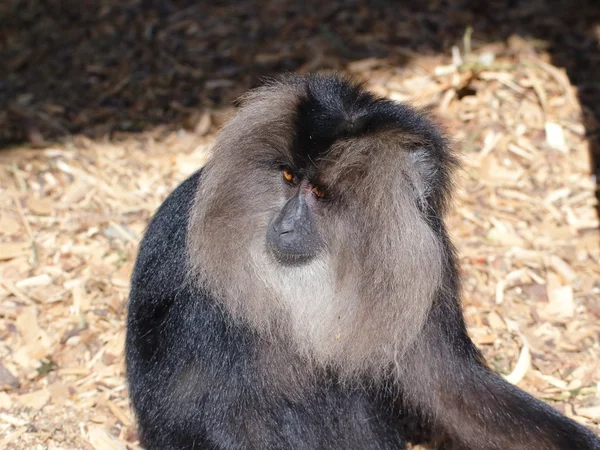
<point x="362" y="348"/>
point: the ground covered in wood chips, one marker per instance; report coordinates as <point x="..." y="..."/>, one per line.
<point x="105" y="108"/>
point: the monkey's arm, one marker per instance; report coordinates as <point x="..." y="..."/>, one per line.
<point x="153" y="349"/>
<point x="473" y="408"/>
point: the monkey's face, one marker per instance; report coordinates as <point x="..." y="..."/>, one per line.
<point x="317" y="212"/>
<point x="293" y="236"/>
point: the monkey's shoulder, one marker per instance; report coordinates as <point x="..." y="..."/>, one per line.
<point x="161" y="259"/>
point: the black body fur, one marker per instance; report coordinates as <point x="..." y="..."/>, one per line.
<point x="200" y="380"/>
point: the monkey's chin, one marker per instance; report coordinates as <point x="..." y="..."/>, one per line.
<point x="290" y="259"/>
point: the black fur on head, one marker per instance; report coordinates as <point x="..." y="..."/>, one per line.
<point x="336" y="109"/>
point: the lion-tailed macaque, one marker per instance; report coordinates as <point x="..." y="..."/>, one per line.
<point x="301" y="292"/>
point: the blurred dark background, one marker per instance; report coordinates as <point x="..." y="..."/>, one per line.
<point x="104" y="67"/>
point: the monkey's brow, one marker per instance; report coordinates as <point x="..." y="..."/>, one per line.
<point x="273" y="163"/>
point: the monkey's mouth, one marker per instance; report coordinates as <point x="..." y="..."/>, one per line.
<point x="290" y="258"/>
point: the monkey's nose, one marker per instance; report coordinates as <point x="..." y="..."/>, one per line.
<point x="285" y="230"/>
<point x="285" y="226"/>
<point x="283" y="234"/>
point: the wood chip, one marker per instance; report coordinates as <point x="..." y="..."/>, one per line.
<point x="10" y="250"/>
<point x="555" y="137"/>
<point x="495" y="321"/>
<point x="37" y="281"/>
<point x="59" y="393"/>
<point x="523" y="365"/>
<point x="5" y="401"/>
<point x="203" y="125"/>
<point x="40" y="206"/>
<point x="119" y="413"/>
<point x="7" y="379"/>
<point x="9" y="225"/>
<point x="562" y="268"/>
<point x="36" y="399"/>
<point x="591" y="412"/>
<point x="102" y="439"/>
<point x="561" y="302"/>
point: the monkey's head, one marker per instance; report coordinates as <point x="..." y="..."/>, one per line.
<point x="320" y="214"/>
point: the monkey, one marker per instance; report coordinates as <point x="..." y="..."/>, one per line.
<point x="301" y="291"/>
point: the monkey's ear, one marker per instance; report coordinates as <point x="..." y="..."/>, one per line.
<point x="434" y="165"/>
<point x="424" y="172"/>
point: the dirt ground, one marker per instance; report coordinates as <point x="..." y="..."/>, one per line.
<point x="105" y="106"/>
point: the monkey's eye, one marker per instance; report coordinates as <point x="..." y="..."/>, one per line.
<point x="318" y="191"/>
<point x="288" y="175"/>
